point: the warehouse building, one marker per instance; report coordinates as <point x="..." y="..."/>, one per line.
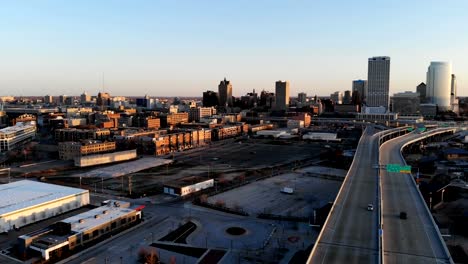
<point x="26" y="202"/>
<point x="78" y="231"/>
<point x="98" y="159"/>
<point x="187" y="185"/>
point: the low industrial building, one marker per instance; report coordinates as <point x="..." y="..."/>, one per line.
<point x="98" y="159"/>
<point x="25" y="202"/>
<point x="187" y="185"/>
<point x="16" y="136"/>
<point x="316" y="136"/>
<point x="80" y="230"/>
<point x="271" y="133"/>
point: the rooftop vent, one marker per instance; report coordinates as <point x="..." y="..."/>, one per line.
<point x="81" y="221"/>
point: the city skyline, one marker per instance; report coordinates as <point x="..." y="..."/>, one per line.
<point x="182" y="49"/>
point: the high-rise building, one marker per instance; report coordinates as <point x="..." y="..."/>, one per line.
<point x="360" y="89"/>
<point x="48" y="99"/>
<point x="302" y="98"/>
<point x="347" y="97"/>
<point x="439" y="84"/>
<point x="103" y="99"/>
<point x="210" y="99"/>
<point x="267" y="99"/>
<point x="282" y="95"/>
<point x="225" y="93"/>
<point x="337" y="97"/>
<point x="378" y="82"/>
<point x="453" y="90"/>
<point x="421" y="89"/>
<point x="62" y="99"/>
<point x="85" y="98"/>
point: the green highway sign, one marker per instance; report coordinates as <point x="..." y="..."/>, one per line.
<point x="410" y="129"/>
<point x="398" y="168"/>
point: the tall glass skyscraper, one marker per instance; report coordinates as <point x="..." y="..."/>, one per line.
<point x="439" y="84"/>
<point x="378" y="82"/>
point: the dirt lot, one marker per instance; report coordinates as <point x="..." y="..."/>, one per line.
<point x="265" y="196"/>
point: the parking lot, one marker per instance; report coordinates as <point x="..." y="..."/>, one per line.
<point x="266" y="197"/>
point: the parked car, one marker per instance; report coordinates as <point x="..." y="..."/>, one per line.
<point x="403" y="215"/>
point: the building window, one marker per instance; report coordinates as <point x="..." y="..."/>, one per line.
<point x="95" y="233"/>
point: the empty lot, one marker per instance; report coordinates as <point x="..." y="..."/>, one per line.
<point x="265" y="196"/>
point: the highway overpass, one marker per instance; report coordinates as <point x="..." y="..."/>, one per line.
<point x="416" y="239"/>
<point x="351" y="234"/>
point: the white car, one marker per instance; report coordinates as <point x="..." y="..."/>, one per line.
<point x="370" y="207"/>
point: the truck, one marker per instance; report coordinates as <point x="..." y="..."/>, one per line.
<point x="287" y="190"/>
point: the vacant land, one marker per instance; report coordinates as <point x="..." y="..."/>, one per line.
<point x="265" y="196"/>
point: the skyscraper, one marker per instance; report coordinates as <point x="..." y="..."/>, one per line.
<point x="453" y="90"/>
<point x="360" y="86"/>
<point x="378" y="82"/>
<point x="85" y="97"/>
<point x="210" y="98"/>
<point x="282" y="95"/>
<point x="439" y="84"/>
<point x="421" y="89"/>
<point x="302" y="98"/>
<point x="225" y="93"/>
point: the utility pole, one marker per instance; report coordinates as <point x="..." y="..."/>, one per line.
<point x="130" y="185"/>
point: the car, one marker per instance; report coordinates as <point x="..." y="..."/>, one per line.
<point x="403" y="215"/>
<point x="370" y="207"/>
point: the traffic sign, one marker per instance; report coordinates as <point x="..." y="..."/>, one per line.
<point x="398" y="168"/>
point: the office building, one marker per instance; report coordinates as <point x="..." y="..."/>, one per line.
<point x="406" y="103"/>
<point x="337" y="97"/>
<point x="173" y="119"/>
<point x="225" y="93"/>
<point x="347" y="97"/>
<point x="267" y="99"/>
<point x="72" y="150"/>
<point x="48" y="99"/>
<point x="439" y="84"/>
<point x="360" y="90"/>
<point x="421" y="89"/>
<point x="16" y="136"/>
<point x="62" y="99"/>
<point x="210" y="99"/>
<point x="453" y="91"/>
<point x="103" y="99"/>
<point x="25" y="202"/>
<point x="302" y="98"/>
<point x="85" y="98"/>
<point x="378" y="82"/>
<point x="197" y="113"/>
<point x="282" y="95"/>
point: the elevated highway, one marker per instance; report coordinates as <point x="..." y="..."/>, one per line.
<point x="416" y="239"/>
<point x="351" y="234"/>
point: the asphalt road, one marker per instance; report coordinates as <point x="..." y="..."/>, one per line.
<point x="414" y="240"/>
<point x="351" y="233"/>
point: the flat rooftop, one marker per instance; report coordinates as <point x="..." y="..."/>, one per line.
<point x="16" y="128"/>
<point x="25" y="194"/>
<point x="125" y="168"/>
<point x="98" y="216"/>
<point x="186" y="181"/>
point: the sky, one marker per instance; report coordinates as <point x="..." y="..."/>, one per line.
<point x="185" y="47"/>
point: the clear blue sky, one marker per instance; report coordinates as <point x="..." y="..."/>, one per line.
<point x="182" y="48"/>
